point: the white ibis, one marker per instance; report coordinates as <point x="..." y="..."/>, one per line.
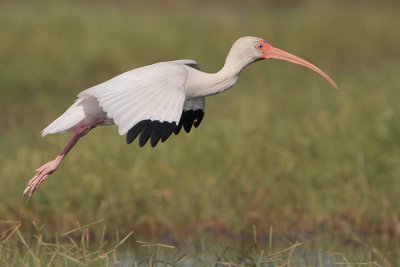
<point x="156" y="100"/>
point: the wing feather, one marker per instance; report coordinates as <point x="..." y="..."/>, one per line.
<point x="155" y="92"/>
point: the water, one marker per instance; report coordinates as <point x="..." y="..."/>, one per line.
<point x="189" y="257"/>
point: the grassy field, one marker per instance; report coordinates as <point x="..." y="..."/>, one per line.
<point x="280" y="151"/>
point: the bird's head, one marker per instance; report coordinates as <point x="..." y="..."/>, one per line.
<point x="251" y="49"/>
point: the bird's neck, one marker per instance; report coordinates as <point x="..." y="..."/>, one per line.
<point x="224" y="79"/>
<point x="206" y="84"/>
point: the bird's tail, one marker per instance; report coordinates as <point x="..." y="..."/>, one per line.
<point x="68" y="120"/>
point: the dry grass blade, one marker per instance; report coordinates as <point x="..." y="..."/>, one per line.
<point x="11" y="231"/>
<point x="71" y="259"/>
<point x="371" y="263"/>
<point x="158" y="245"/>
<point x="79" y="228"/>
<point x="103" y="255"/>
<point x="273" y="255"/>
<point x="346" y="262"/>
<point x="73" y="243"/>
<point x="181" y="258"/>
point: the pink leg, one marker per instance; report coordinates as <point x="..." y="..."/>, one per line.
<point x="43" y="172"/>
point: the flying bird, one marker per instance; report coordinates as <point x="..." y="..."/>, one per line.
<point x="155" y="101"/>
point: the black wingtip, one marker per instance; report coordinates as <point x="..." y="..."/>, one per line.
<point x="156" y="130"/>
<point x="156" y="135"/>
<point x="150" y="130"/>
<point x="147" y="132"/>
<point x="167" y="129"/>
<point x="199" y="114"/>
<point x="135" y="131"/>
<point x="190" y="118"/>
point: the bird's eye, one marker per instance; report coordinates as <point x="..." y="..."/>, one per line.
<point x="260" y="46"/>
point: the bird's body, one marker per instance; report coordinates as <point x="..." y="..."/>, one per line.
<point x="156" y="92"/>
<point x="154" y="101"/>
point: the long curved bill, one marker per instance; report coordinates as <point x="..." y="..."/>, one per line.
<point x="272" y="52"/>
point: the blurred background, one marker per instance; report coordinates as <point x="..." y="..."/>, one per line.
<point x="281" y="152"/>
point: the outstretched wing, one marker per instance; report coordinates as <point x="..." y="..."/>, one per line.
<point x="148" y="101"/>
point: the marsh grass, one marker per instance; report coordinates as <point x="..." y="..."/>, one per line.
<point x="281" y="149"/>
<point x="76" y="247"/>
<point x="72" y="248"/>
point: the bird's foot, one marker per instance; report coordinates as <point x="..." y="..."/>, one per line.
<point x="42" y="173"/>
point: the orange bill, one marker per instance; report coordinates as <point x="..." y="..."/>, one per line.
<point x="272" y="52"/>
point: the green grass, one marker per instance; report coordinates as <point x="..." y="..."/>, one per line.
<point x="280" y="150"/>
